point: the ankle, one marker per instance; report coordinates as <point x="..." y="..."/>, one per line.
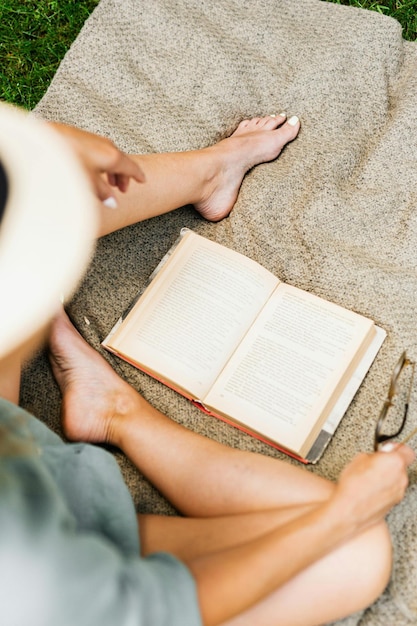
<point x="209" y="167"/>
<point x="126" y="410"/>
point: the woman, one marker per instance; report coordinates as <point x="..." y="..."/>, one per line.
<point x="258" y="541"/>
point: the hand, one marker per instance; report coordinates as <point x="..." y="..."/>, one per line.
<point x="373" y="483"/>
<point x="105" y="164"/>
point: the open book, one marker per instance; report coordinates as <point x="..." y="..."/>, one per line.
<point x="276" y="361"/>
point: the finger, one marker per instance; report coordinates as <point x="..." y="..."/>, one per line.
<point x="112" y="179"/>
<point x="406" y="453"/>
<point x="102" y="188"/>
<point x="122" y="182"/>
<point x="140" y="175"/>
<point x="389" y="446"/>
<point x="119" y="176"/>
<point x="110" y="202"/>
<point x="131" y="169"/>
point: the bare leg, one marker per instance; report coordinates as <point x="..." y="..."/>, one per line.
<point x="99" y="406"/>
<point x="245" y="496"/>
<point x="347" y="580"/>
<point x="209" y="179"/>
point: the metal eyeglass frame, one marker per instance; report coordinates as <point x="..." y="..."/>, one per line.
<point x="380" y="437"/>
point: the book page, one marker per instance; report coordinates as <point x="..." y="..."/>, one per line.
<point x="281" y="377"/>
<point x="194" y="313"/>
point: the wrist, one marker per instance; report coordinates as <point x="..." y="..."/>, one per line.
<point x="340" y="517"/>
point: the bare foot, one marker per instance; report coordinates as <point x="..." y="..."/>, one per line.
<point x="93" y="395"/>
<point x="254" y="141"/>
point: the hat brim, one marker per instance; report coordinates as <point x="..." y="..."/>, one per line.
<point x="48" y="228"/>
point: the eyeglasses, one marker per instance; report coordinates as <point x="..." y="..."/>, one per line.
<point x="391" y="422"/>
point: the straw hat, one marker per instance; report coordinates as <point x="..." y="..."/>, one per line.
<point x="47" y="225"/>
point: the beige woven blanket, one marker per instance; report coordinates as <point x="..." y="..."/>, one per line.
<point x="336" y="214"/>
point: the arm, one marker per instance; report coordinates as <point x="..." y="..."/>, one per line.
<point x="107" y="167"/>
<point x="367" y="489"/>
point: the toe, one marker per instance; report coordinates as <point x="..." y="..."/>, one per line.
<point x="269" y="122"/>
<point x="294" y="123"/>
<point x="249" y="125"/>
<point x="243" y="124"/>
<point x="272" y="121"/>
<point x="290" y="129"/>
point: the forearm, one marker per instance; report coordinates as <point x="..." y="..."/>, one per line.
<point x="230" y="582"/>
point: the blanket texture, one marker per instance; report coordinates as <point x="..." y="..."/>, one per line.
<point x="335" y="214"/>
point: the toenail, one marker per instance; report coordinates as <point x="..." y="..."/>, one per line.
<point x="293" y="121"/>
<point x="282" y="115"/>
<point x="272" y="115"/>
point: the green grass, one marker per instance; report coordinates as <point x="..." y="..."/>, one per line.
<point x="405" y="11"/>
<point x="35" y="34"/>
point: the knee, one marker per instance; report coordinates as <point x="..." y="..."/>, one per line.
<point x="372" y="571"/>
